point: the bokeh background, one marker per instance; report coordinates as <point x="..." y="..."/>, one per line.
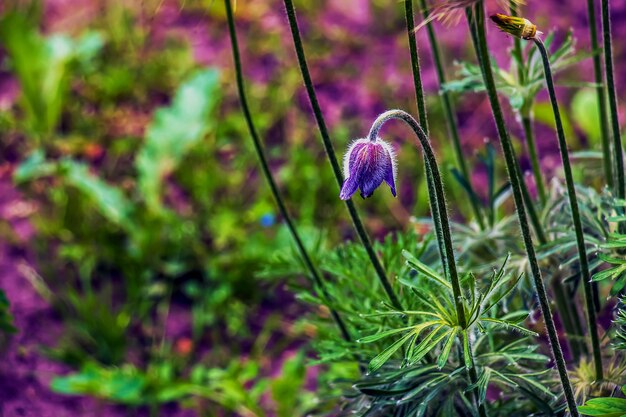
<point x="139" y="245"/>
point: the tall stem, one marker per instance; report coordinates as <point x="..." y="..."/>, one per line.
<point x="517" y="48"/>
<point x="527" y="124"/>
<point x="600" y="92"/>
<point x="526" y="197"/>
<point x="444" y="224"/>
<point x="526" y="119"/>
<point x="415" y="64"/>
<point x="423" y="116"/>
<point x="573" y="202"/>
<point x="610" y="85"/>
<point x="330" y="152"/>
<point x="315" y="275"/>
<point x="507" y="148"/>
<point x="448" y="109"/>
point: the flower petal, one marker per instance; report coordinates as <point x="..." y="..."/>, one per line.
<point x="348" y="188"/>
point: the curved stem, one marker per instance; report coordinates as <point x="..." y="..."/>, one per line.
<point x="315" y="275"/>
<point x="610" y="85"/>
<point x="517" y="48"/>
<point x="527" y="124"/>
<point x="444" y="224"/>
<point x="573" y="202"/>
<point x="448" y="109"/>
<point x="330" y="152"/>
<point x="507" y="148"/>
<point x="472" y="19"/>
<point x="601" y="94"/>
<point x="415" y="64"/>
<point x="431" y="165"/>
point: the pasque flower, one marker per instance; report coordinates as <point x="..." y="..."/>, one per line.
<point x="517" y="27"/>
<point x="366" y="164"/>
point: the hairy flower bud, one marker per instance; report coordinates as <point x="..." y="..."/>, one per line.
<point x="515" y="26"/>
<point x="366" y="165"/>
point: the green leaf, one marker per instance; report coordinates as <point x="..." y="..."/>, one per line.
<point x="174" y="130"/>
<point x="604" y="407"/>
<point x="416" y="264"/>
<point x="381" y="335"/>
<point x="445" y="352"/>
<point x="380" y="359"/>
<point x="110" y="201"/>
<point x="120" y="385"/>
<point x="33" y="167"/>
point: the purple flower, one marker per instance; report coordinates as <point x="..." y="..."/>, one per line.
<point x="366" y="165"/>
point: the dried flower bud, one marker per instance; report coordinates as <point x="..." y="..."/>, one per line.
<point x="515" y="26"/>
<point x="366" y="165"/>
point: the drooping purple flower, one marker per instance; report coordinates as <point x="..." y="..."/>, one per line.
<point x="366" y="165"/>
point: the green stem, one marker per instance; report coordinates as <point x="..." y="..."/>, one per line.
<point x="448" y="109"/>
<point x="527" y="124"/>
<point x="526" y="120"/>
<point x="610" y="84"/>
<point x="573" y="202"/>
<point x="423" y="117"/>
<point x="567" y="311"/>
<point x="442" y="219"/>
<point x="601" y="94"/>
<point x="562" y="302"/>
<point x="330" y="152"/>
<point x="415" y="64"/>
<point x="507" y="148"/>
<point x="517" y="49"/>
<point x="269" y="177"/>
<point x="526" y="197"/>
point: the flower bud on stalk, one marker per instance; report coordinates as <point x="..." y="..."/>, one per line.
<point x="517" y="27"/>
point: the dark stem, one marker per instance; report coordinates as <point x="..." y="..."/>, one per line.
<point x="562" y="300"/>
<point x="421" y="108"/>
<point x="415" y="64"/>
<point x="423" y="117"/>
<point x="600" y="92"/>
<point x="315" y="275"/>
<point x="439" y="196"/>
<point x="517" y="49"/>
<point x="330" y="152"/>
<point x="528" y="201"/>
<point x="567" y="311"/>
<point x="507" y="148"/>
<point x="451" y="121"/>
<point x="610" y="85"/>
<point x="573" y="202"/>
<point x="526" y="119"/>
<point x="527" y="124"/>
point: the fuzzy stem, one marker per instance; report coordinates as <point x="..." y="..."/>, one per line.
<point x="601" y="94"/>
<point x="446" y="100"/>
<point x="270" y="178"/>
<point x="444" y="226"/>
<point x="507" y="148"/>
<point x="423" y="117"/>
<point x="421" y="108"/>
<point x="526" y="197"/>
<point x="415" y="64"/>
<point x="330" y="152"/>
<point x="527" y="124"/>
<point x="517" y="48"/>
<point x="612" y="95"/>
<point x="526" y="119"/>
<point x="573" y="202"/>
